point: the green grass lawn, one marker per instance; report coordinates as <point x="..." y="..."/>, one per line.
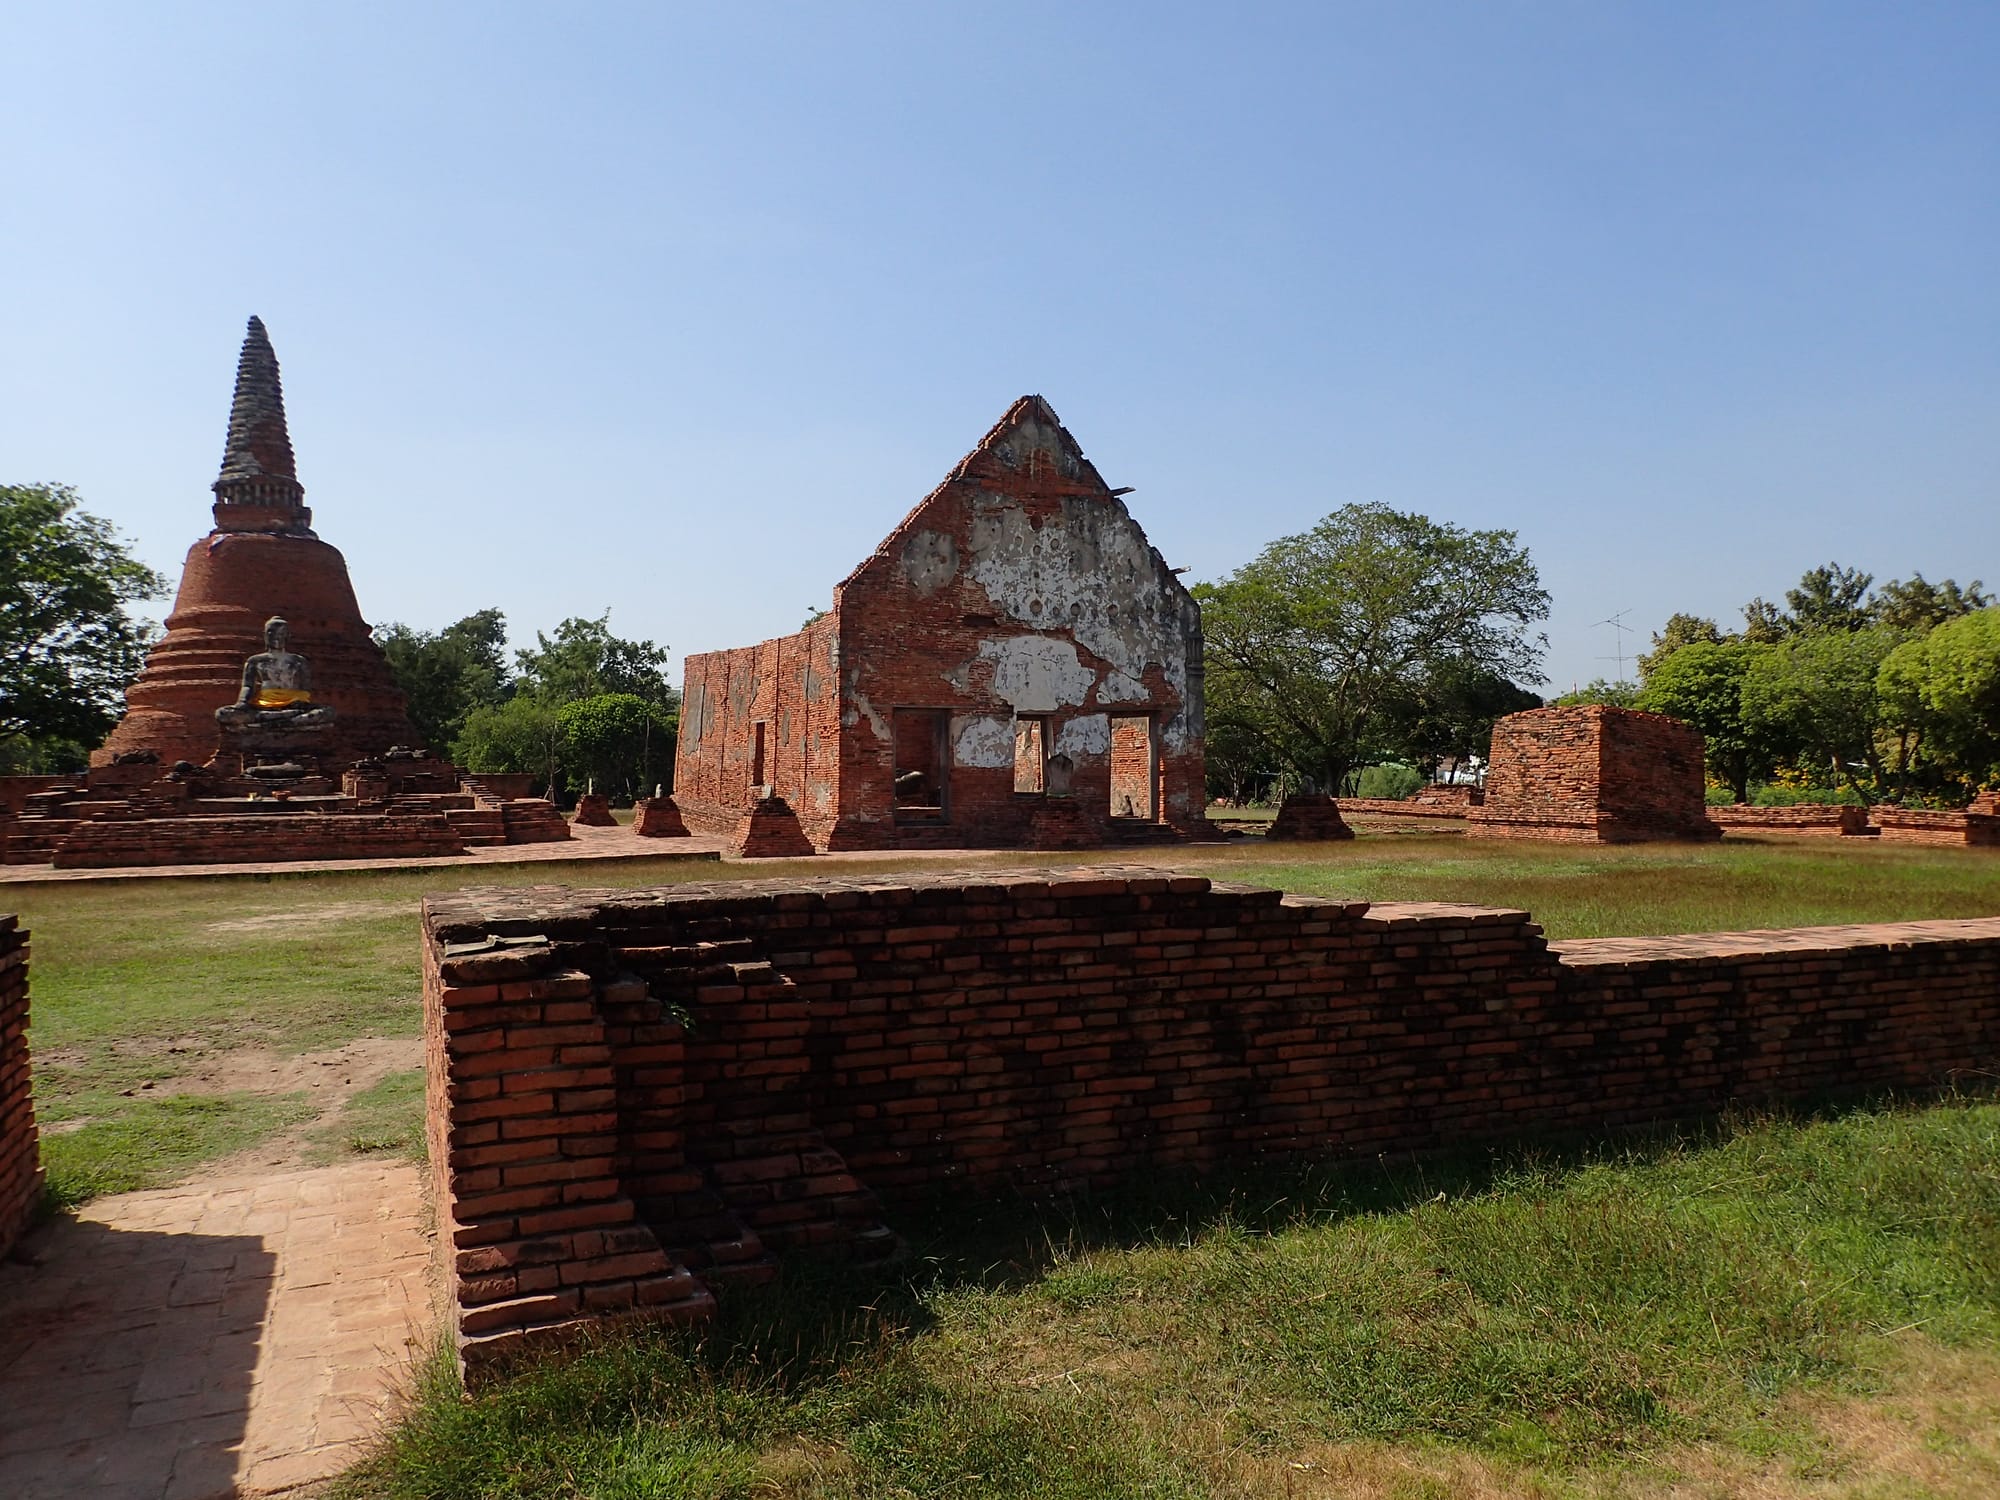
<point x="1700" y="1315"/>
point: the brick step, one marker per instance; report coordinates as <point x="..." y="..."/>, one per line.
<point x="477" y="827"/>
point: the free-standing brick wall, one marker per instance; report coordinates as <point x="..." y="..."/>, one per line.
<point x="20" y="1164"/>
<point x="640" y="1095"/>
<point x="1593" y="774"/>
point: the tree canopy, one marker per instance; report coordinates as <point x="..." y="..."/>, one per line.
<point x="1330" y="647"/>
<point x="582" y="705"/>
<point x="448" y="673"/>
<point x="67" y="647"/>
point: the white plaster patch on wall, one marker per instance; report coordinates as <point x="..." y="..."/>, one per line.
<point x="1037" y="673"/>
<point x="860" y="708"/>
<point x="985" y="741"/>
<point x="1118" y="688"/>
<point x="1086" y="734"/>
<point x="1090" y="571"/>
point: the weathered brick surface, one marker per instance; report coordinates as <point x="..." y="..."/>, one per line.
<point x="658" y="818"/>
<point x="742" y="1071"/>
<point x="1806" y="818"/>
<point x="593" y="810"/>
<point x="106" y="843"/>
<point x="1309" y="815"/>
<point x="1593" y="774"/>
<point x="1426" y="802"/>
<point x="1907" y="825"/>
<point x="20" y="1162"/>
<point x="1019" y="593"/>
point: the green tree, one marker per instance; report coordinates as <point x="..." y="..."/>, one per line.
<point x="67" y="646"/>
<point x="518" y="735"/>
<point x="1942" y="692"/>
<point x="1680" y="630"/>
<point x="1814" y="697"/>
<point x="1621" y="694"/>
<point x="448" y="673"/>
<point x="1829" y="597"/>
<point x="617" y="741"/>
<point x="1701" y="684"/>
<point x="1325" y="635"/>
<point x="1452" y="717"/>
<point x="584" y="659"/>
<point x="1915" y="603"/>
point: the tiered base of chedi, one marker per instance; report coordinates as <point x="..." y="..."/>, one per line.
<point x="234" y="746"/>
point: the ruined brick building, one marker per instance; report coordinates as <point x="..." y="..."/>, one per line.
<point x="1014" y="665"/>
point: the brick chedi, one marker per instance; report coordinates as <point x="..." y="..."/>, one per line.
<point x="262" y="559"/>
<point x="1014" y="665"/>
<point x="1593" y="774"/>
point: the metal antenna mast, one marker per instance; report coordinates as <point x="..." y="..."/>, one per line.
<point x="1617" y="623"/>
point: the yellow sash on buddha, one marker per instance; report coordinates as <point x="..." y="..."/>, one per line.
<point x="277" y="697"/>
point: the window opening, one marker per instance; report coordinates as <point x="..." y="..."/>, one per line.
<point x="757" y="754"/>
<point x="922" y="760"/>
<point x="1030" y="756"/>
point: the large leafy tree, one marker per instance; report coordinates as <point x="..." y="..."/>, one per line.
<point x="67" y="646"/>
<point x="1680" y="630"/>
<point x="1814" y="697"/>
<point x="446" y="674"/>
<point x="1324" y="639"/>
<point x="617" y="741"/>
<point x="1940" y="693"/>
<point x="1915" y="603"/>
<point x="583" y="659"/>
<point x="1701" y="684"/>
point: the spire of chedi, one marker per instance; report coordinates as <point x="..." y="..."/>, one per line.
<point x="258" y="488"/>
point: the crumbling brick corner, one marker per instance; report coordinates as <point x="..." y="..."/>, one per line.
<point x="20" y="1164"/>
<point x="1593" y="774"/>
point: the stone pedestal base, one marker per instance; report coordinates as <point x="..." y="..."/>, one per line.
<point x="593" y="810"/>
<point x="1310" y="815"/>
<point x="658" y="818"/>
<point x="770" y="830"/>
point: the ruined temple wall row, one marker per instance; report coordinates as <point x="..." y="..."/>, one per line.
<point x="1074" y="1028"/>
<point x="20" y="1165"/>
<point x="788" y="687"/>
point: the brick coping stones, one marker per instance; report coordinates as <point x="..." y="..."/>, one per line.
<point x="639" y="1098"/>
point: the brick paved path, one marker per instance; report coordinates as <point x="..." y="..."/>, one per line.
<point x="230" y="1337"/>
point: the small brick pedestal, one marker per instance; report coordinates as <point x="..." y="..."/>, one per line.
<point x="770" y="830"/>
<point x="593" y="810"/>
<point x="658" y="818"/>
<point x="1309" y="815"/>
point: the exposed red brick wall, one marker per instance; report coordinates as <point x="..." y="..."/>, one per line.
<point x="851" y="1043"/>
<point x="16" y="790"/>
<point x="105" y="843"/>
<point x="1593" y="774"/>
<point x="658" y="818"/>
<point x="1907" y="825"/>
<point x="20" y="1163"/>
<point x="1021" y="587"/>
<point x="593" y="810"/>
<point x="1808" y="818"/>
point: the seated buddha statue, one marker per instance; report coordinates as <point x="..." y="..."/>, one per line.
<point x="277" y="688"/>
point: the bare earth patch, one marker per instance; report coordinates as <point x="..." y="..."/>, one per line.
<point x="321" y="914"/>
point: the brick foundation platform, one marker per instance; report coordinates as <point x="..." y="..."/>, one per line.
<point x="106" y="843"/>
<point x="1309" y="815"/>
<point x="1805" y="818"/>
<point x="1905" y="825"/>
<point x="1593" y="774"/>
<point x="638" y="1095"/>
<point x="1431" y="802"/>
<point x="20" y="1164"/>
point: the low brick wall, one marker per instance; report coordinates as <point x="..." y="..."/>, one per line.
<point x="639" y="1095"/>
<point x="1905" y="825"/>
<point x="1404" y="807"/>
<point x="20" y="1165"/>
<point x="1806" y="818"/>
<point x="104" y="843"/>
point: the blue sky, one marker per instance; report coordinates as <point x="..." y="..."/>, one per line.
<point x="675" y="312"/>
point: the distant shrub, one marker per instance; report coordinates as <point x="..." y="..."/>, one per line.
<point x="1390" y="782"/>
